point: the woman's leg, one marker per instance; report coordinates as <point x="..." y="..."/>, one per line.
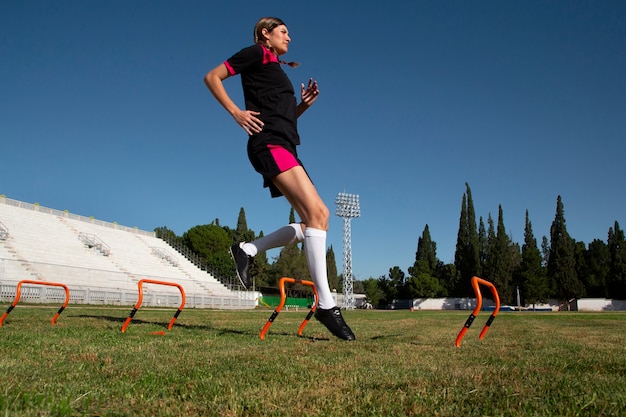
<point x="243" y="251"/>
<point x="297" y="187"/>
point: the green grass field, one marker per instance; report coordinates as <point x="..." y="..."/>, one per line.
<point x="403" y="364"/>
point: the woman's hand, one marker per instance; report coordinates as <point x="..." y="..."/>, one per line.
<point x="308" y="95"/>
<point x="249" y="121"/>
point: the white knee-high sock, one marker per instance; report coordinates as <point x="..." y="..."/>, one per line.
<point x="315" y="250"/>
<point x="286" y="235"/>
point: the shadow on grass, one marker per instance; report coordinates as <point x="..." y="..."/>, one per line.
<point x="387" y="336"/>
<point x="285" y="334"/>
<point x="140" y="321"/>
<point x="204" y="327"/>
<point x="221" y="331"/>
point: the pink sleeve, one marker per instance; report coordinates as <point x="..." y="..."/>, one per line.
<point x="229" y="68"/>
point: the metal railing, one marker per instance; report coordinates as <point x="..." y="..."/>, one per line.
<point x="111" y="297"/>
<point x="93" y="241"/>
<point x="232" y="283"/>
<point x="4" y="231"/>
<point x="86" y="287"/>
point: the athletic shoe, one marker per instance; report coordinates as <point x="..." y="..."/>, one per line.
<point x="333" y="320"/>
<point x="242" y="264"/>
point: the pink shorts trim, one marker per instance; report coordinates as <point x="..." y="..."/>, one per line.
<point x="283" y="158"/>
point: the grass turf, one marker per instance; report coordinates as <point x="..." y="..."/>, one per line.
<point x="403" y="363"/>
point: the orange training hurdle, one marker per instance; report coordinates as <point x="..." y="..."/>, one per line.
<point x="140" y="300"/>
<point x="479" y="304"/>
<point x="283" y="298"/>
<point x="18" y="294"/>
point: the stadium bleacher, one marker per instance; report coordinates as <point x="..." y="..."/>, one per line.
<point x="100" y="262"/>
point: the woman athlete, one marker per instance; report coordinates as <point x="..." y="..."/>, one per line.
<point x="270" y="120"/>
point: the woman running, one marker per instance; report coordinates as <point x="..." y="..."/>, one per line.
<point x="270" y="120"/>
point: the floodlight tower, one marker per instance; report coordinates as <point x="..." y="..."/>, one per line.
<point x="348" y="208"/>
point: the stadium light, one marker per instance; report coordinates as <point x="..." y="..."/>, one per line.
<point x="348" y="208"/>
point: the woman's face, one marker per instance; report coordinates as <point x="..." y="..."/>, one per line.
<point x="278" y="39"/>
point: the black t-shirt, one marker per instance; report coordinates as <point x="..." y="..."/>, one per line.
<point x="268" y="90"/>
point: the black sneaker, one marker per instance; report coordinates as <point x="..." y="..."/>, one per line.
<point x="242" y="264"/>
<point x="333" y="320"/>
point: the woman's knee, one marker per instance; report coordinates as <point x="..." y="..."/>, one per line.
<point x="319" y="217"/>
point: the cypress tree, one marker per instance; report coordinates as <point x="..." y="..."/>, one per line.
<point x="473" y="250"/>
<point x="498" y="265"/>
<point x="545" y="251"/>
<point x="427" y="252"/>
<point x="503" y="262"/>
<point x="331" y="267"/>
<point x="580" y="263"/>
<point x="242" y="233"/>
<point x="482" y="244"/>
<point x="462" y="238"/>
<point x="597" y="269"/>
<point x="617" y="270"/>
<point x="561" y="263"/>
<point x="466" y="257"/>
<point x="423" y="280"/>
<point x="531" y="275"/>
<point x="489" y="265"/>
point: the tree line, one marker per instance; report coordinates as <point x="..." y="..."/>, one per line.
<point x="558" y="267"/>
<point x="211" y="242"/>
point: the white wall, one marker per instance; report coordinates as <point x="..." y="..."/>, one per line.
<point x="600" y="304"/>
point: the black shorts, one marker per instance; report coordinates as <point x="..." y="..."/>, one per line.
<point x="270" y="161"/>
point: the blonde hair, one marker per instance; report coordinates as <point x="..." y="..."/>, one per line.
<point x="268" y="23"/>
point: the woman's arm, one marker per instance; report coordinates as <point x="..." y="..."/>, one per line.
<point x="244" y="118"/>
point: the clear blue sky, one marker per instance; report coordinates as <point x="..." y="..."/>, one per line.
<point x="103" y="112"/>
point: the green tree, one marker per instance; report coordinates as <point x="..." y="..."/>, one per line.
<point x="561" y="262"/>
<point x="423" y="286"/>
<point x="580" y="263"/>
<point x="331" y="267"/>
<point x="487" y="271"/>
<point x="598" y="260"/>
<point x="167" y="235"/>
<point x="398" y="282"/>
<point x="211" y="243"/>
<point x="531" y="275"/>
<point x="373" y="293"/>
<point x="467" y="255"/>
<point x="427" y="252"/>
<point x="617" y="257"/>
<point x="422" y="281"/>
<point x="499" y="264"/>
<point x="260" y="269"/>
<point x="482" y="245"/>
<point x="392" y="286"/>
<point x="242" y="233"/>
<point x="449" y="278"/>
<point x="545" y="251"/>
<point x="291" y="263"/>
<point x="387" y="291"/>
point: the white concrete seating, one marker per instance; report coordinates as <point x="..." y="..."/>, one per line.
<point x="49" y="246"/>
